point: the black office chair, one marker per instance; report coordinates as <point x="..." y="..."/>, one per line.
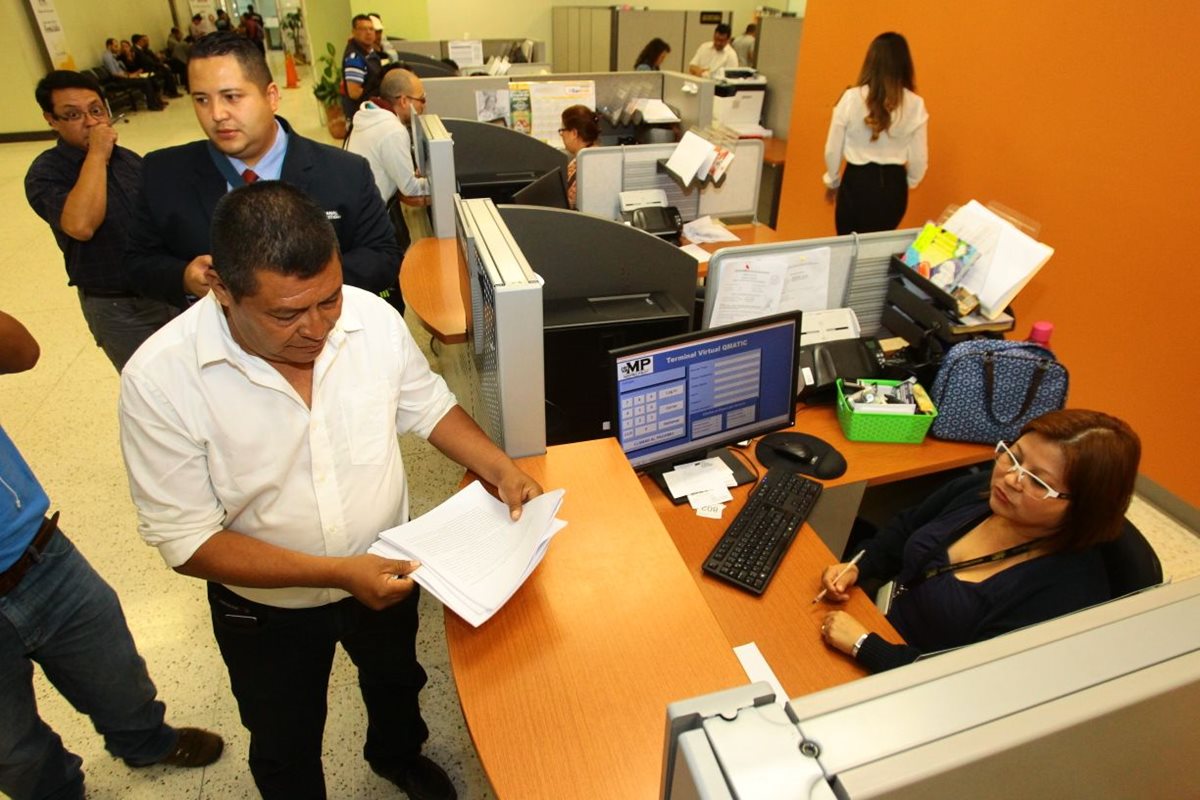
<point x="1131" y="562"/>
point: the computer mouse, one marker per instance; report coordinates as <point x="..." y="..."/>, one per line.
<point x="796" y="451"/>
<point x="830" y="465"/>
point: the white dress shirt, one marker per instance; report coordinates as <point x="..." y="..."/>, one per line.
<point x="850" y="137"/>
<point x="710" y="59"/>
<point x="215" y="438"/>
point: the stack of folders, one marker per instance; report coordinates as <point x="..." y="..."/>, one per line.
<point x="473" y="556"/>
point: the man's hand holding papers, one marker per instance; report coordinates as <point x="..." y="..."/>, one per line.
<point x="473" y="555"/>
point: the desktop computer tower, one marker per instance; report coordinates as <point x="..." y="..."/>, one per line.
<point x="579" y="332"/>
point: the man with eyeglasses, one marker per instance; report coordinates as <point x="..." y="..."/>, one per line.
<point x="85" y="188"/>
<point x="380" y="134"/>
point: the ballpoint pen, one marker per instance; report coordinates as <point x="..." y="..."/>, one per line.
<point x="821" y="595"/>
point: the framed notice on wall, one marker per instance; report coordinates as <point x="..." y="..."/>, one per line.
<point x="45" y="16"/>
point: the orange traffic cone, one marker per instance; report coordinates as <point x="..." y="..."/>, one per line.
<point x="293" y="80"/>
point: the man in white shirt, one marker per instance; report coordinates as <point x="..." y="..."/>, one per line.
<point x="381" y="135"/>
<point x="715" y="55"/>
<point x="259" y="433"/>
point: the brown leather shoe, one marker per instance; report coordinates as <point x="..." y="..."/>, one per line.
<point x="194" y="748"/>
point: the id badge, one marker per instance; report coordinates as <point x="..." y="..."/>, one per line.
<point x="885" y="596"/>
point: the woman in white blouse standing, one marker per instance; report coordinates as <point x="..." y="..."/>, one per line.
<point x="879" y="127"/>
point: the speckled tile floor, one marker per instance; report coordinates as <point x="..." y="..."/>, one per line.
<point x="63" y="417"/>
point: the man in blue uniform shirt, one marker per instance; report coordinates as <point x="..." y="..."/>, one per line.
<point x="55" y="610"/>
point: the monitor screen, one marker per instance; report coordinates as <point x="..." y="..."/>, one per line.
<point x="677" y="398"/>
<point x="548" y="191"/>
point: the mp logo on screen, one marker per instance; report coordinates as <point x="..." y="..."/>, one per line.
<point x="634" y="367"/>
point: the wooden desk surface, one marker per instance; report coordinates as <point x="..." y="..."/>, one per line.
<point x="783" y="622"/>
<point x="565" y="690"/>
<point x="429" y="280"/>
<point x="774" y="151"/>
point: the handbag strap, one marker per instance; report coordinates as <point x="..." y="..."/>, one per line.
<point x="989" y="383"/>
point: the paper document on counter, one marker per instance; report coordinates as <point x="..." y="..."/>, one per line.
<point x="473" y="556"/>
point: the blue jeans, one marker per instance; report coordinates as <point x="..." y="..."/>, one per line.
<point x="66" y="618"/>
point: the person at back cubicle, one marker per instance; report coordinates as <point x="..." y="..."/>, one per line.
<point x="712" y="57"/>
<point x="985" y="555"/>
<point x="580" y="130"/>
<point x="652" y="56"/>
<point x="879" y="127"/>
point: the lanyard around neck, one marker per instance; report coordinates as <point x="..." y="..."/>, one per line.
<point x="999" y="555"/>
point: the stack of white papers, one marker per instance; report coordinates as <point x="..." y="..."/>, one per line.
<point x="473" y="556"/>
<point x="654" y="111"/>
<point x="706" y="485"/>
<point x="697" y="157"/>
<point x="707" y="229"/>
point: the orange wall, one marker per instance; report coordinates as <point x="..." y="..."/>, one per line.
<point x="1084" y="116"/>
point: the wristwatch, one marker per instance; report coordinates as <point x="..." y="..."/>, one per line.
<point x="858" y="644"/>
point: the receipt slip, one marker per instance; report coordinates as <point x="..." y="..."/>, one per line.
<point x="699" y="476"/>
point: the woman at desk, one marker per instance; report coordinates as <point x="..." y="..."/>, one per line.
<point x="879" y="125"/>
<point x="580" y="129"/>
<point x="652" y="56"/>
<point x="974" y="561"/>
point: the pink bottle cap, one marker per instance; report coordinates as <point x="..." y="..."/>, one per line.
<point x="1041" y="332"/>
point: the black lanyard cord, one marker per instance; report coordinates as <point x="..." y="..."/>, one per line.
<point x="999" y="555"/>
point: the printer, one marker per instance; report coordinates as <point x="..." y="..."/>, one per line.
<point x="738" y="101"/>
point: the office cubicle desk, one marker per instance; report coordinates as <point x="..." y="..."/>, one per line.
<point x="565" y="689"/>
<point x="429" y="280"/>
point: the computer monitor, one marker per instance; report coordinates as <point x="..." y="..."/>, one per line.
<point x="548" y="191"/>
<point x="677" y="399"/>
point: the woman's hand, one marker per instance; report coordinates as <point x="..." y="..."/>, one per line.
<point x="840" y="631"/>
<point x="837" y="590"/>
<point x="830" y="195"/>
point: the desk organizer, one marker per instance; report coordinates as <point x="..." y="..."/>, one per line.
<point x="872" y="427"/>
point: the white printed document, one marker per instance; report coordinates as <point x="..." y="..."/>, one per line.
<point x="473" y="556"/>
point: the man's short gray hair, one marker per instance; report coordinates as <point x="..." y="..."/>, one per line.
<point x="396" y="83"/>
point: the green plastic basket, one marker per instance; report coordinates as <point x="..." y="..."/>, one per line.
<point x="866" y="427"/>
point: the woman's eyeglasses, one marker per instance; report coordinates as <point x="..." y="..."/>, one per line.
<point x="1009" y="463"/>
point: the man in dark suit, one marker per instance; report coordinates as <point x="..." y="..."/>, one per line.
<point x="149" y="61"/>
<point x="235" y="102"/>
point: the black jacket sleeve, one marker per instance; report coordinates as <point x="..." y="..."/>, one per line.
<point x="878" y="654"/>
<point x="370" y="254"/>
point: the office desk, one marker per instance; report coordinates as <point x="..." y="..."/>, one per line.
<point x="429" y="280"/>
<point x="565" y="689"/>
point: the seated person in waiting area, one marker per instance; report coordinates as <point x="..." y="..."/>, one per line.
<point x="976" y="561"/>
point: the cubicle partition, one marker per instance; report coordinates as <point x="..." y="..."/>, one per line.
<point x="491" y="47"/>
<point x="611" y="37"/>
<point x="691" y="97"/>
<point x="778" y="51"/>
<point x="602" y="173"/>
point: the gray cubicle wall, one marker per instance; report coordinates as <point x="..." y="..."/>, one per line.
<point x="609" y="38"/>
<point x="491" y="47"/>
<point x="455" y="97"/>
<point x="778" y="51"/>
<point x="582" y="37"/>
<point x="602" y="173"/>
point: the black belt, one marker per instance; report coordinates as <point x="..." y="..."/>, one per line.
<point x="11" y="577"/>
<point x="112" y="293"/>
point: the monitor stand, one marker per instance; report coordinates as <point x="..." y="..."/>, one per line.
<point x="740" y="473"/>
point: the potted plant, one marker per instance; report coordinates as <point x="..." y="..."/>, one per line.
<point x="327" y="90"/>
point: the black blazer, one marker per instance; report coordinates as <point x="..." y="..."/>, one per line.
<point x="181" y="187"/>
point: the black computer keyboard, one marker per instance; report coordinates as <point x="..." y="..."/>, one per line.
<point x="760" y="534"/>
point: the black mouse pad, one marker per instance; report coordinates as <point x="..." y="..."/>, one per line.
<point x="764" y="451"/>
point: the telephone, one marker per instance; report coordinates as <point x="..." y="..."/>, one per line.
<point x="648" y="210"/>
<point x="823" y="363"/>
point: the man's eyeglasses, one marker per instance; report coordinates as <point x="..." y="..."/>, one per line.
<point x="420" y="100"/>
<point x="1009" y="463"/>
<point x="74" y="114"/>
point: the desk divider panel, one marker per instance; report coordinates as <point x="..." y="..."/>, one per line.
<point x="858" y="269"/>
<point x="602" y="173"/>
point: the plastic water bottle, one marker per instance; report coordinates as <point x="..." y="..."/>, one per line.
<point x="1040" y="333"/>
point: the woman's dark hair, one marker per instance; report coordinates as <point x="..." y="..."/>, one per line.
<point x="886" y="72"/>
<point x="583" y="121"/>
<point x="272" y="226"/>
<point x="651" y="52"/>
<point x="1102" y="454"/>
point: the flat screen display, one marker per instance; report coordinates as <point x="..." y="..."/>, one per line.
<point x="677" y="398"/>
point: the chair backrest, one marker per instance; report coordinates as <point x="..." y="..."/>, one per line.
<point x="1131" y="562"/>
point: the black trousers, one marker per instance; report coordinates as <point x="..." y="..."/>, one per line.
<point x="871" y="197"/>
<point x="279" y="662"/>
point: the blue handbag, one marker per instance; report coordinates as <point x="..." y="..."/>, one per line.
<point x="987" y="389"/>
